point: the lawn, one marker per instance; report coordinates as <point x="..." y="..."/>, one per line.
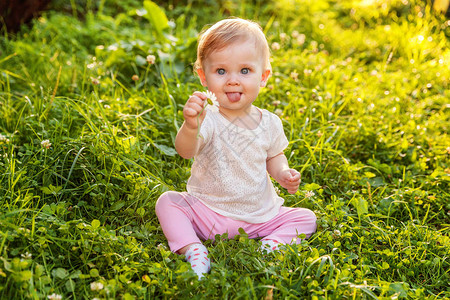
<point x="91" y="95"/>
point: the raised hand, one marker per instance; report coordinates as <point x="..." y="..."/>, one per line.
<point x="193" y="112"/>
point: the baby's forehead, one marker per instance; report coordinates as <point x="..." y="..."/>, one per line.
<point x="242" y="42"/>
<point x="246" y="50"/>
<point x="238" y="42"/>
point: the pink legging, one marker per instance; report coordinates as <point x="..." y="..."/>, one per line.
<point x="185" y="220"/>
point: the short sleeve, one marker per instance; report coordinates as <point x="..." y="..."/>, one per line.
<point x="279" y="141"/>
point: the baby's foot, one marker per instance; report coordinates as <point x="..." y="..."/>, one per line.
<point x="197" y="256"/>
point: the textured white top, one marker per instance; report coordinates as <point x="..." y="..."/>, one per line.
<point x="229" y="172"/>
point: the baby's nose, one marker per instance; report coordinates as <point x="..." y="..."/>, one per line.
<point x="233" y="80"/>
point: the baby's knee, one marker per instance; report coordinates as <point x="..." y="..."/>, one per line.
<point x="165" y="200"/>
<point x="310" y="215"/>
<point x="307" y="220"/>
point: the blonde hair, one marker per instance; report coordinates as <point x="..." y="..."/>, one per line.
<point x="229" y="31"/>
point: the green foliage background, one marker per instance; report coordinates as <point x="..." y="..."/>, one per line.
<point x="363" y="91"/>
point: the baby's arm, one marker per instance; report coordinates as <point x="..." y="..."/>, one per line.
<point x="186" y="142"/>
<point x="278" y="168"/>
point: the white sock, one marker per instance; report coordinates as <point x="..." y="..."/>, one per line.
<point x="197" y="256"/>
<point x="269" y="245"/>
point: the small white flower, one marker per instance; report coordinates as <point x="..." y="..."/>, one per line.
<point x="46" y="144"/>
<point x="54" y="297"/>
<point x="275" y="46"/>
<point x="95" y="81"/>
<point x="27" y="255"/>
<point x="301" y="39"/>
<point x="276" y="102"/>
<point x="151" y="59"/>
<point x="161" y="247"/>
<point x="96" y="286"/>
<point x="294" y="75"/>
<point x="210" y="95"/>
<point x="309" y="194"/>
<point x="211" y="100"/>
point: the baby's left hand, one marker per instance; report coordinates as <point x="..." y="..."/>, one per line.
<point x="290" y="180"/>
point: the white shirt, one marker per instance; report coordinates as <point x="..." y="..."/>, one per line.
<point x="229" y="172"/>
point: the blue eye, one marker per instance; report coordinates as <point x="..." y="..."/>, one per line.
<point x="220" y="71"/>
<point x="245" y="71"/>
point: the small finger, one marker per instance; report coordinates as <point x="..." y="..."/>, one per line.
<point x="195" y="100"/>
<point x="197" y="106"/>
<point x="294" y="183"/>
<point x="292" y="188"/>
<point x="190" y="112"/>
<point x="295" y="174"/>
<point x="201" y="95"/>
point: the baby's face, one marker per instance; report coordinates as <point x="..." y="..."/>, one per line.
<point x="235" y="74"/>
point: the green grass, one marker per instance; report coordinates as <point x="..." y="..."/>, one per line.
<point x="363" y="91"/>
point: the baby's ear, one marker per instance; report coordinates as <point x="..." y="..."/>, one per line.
<point x="265" y="76"/>
<point x="201" y="74"/>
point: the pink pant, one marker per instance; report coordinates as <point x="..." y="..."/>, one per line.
<point x="185" y="220"/>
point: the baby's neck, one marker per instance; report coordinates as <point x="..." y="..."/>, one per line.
<point x="249" y="119"/>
